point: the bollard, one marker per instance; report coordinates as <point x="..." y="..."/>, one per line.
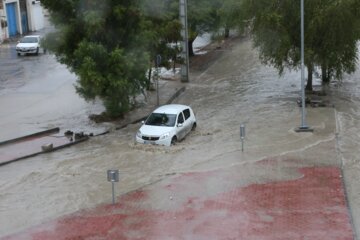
<point x="113" y="176"/>
<point x="242" y="136"/>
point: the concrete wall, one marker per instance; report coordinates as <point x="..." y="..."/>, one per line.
<point x="2" y="18"/>
<point x="35" y="15"/>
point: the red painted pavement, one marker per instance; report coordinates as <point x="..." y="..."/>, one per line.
<point x="184" y="207"/>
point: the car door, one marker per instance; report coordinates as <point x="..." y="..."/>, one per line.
<point x="187" y="120"/>
<point x="180" y="127"/>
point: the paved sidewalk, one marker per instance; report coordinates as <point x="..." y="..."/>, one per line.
<point x="214" y="205"/>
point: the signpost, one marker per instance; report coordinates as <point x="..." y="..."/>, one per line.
<point x="242" y="136"/>
<point x="113" y="176"/>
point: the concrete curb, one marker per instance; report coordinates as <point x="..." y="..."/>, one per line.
<point x="38" y="134"/>
<point x="41" y="152"/>
<point x="351" y="217"/>
<point x="177" y="93"/>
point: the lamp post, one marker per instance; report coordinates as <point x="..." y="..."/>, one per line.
<point x="304" y="127"/>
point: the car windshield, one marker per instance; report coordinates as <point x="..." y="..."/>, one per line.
<point x="29" y="40"/>
<point x="161" y="119"/>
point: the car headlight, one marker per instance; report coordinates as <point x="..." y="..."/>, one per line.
<point x="164" y="136"/>
<point x="138" y="134"/>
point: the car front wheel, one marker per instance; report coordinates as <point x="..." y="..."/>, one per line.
<point x="174" y="140"/>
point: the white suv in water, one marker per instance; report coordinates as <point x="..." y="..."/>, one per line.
<point x="167" y="125"/>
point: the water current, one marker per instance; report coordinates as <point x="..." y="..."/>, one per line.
<point x="236" y="89"/>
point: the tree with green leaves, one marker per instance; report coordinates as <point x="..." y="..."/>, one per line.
<point x="336" y="38"/>
<point x="331" y="34"/>
<point x="230" y="15"/>
<point x="202" y="17"/>
<point x="104" y="43"/>
<point x="165" y="34"/>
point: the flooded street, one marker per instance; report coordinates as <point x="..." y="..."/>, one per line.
<point x="236" y="89"/>
<point x="35" y="94"/>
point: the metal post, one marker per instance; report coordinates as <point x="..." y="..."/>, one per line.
<point x="303" y="127"/>
<point x="113" y="192"/>
<point x="242" y="136"/>
<point x="184" y="34"/>
<point x="303" y="117"/>
<point x="158" y="62"/>
<point x="157" y="87"/>
<point x="113" y="176"/>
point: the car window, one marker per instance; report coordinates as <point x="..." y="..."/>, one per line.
<point x="180" y="118"/>
<point x="186" y="113"/>
<point x="29" y="40"/>
<point x="161" y="119"/>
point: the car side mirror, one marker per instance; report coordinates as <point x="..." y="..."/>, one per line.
<point x="180" y="125"/>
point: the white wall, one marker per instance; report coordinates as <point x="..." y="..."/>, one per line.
<point x="35" y="15"/>
<point x="2" y="31"/>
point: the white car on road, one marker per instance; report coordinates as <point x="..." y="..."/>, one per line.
<point x="29" y="45"/>
<point x="167" y="125"/>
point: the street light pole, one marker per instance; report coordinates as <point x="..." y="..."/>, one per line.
<point x="303" y="127"/>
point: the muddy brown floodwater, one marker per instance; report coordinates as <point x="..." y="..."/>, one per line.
<point x="235" y="89"/>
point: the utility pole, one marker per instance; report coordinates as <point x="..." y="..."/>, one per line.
<point x="185" y="46"/>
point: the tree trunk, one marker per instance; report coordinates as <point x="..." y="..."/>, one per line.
<point x="227" y="32"/>
<point x="190" y="46"/>
<point x="148" y="82"/>
<point x="325" y="76"/>
<point x="174" y="64"/>
<point x="309" y="78"/>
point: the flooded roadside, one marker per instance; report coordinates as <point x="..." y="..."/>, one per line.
<point x="35" y="95"/>
<point x="235" y="90"/>
<point x="346" y="97"/>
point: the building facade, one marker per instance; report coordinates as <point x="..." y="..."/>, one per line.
<point x="19" y="17"/>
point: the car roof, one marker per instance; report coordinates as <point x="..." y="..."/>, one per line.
<point x="171" y="108"/>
